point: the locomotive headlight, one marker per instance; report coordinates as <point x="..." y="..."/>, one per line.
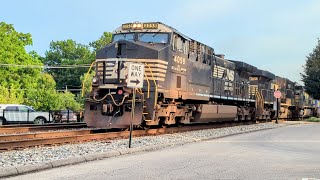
<point x="137" y="26"/>
<point x="95" y="80"/>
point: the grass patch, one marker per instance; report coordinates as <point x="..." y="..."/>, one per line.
<point x="313" y="119"/>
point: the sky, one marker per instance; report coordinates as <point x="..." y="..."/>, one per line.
<point x="272" y="35"/>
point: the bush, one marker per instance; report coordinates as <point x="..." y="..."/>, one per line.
<point x="313" y="119"/>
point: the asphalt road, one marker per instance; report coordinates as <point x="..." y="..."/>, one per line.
<point x="291" y="152"/>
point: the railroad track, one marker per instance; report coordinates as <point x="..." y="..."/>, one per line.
<point x="9" y="129"/>
<point x="38" y="125"/>
<point x="14" y="141"/>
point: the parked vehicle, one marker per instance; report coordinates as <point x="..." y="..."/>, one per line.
<point x="65" y="116"/>
<point x="16" y="113"/>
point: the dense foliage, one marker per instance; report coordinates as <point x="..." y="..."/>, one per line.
<point x="14" y="80"/>
<point x="68" y="52"/>
<point x="311" y="75"/>
<point x="101" y="42"/>
<point x="23" y="79"/>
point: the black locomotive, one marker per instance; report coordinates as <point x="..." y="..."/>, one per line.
<point x="184" y="82"/>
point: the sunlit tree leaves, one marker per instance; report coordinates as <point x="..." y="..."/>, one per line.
<point x="311" y="75"/>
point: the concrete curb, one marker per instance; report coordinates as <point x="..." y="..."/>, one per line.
<point x="92" y="157"/>
<point x="12" y="171"/>
<point x="8" y="171"/>
<point x="68" y="161"/>
<point x="36" y="167"/>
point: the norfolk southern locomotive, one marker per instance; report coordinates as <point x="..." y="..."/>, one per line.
<point x="184" y="82"/>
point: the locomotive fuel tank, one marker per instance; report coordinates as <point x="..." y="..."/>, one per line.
<point x="209" y="113"/>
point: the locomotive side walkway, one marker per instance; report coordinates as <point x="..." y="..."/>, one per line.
<point x="241" y="156"/>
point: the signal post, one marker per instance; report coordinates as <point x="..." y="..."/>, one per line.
<point x="277" y="95"/>
<point x="135" y="80"/>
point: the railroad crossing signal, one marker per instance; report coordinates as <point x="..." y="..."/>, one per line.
<point x="135" y="75"/>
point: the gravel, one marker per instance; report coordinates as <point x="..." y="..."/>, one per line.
<point x="35" y="155"/>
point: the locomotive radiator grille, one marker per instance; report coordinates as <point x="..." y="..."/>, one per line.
<point x="108" y="68"/>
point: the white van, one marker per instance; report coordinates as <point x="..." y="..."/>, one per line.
<point x="16" y="113"/>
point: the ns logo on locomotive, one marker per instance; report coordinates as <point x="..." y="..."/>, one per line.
<point x="185" y="81"/>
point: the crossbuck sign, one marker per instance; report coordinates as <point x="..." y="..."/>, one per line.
<point x="135" y="75"/>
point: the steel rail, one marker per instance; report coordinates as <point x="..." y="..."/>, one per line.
<point x="38" y="125"/>
<point x="10" y="130"/>
<point x="43" y="135"/>
<point x="22" y="143"/>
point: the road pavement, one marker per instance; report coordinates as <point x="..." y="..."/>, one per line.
<point x="291" y="152"/>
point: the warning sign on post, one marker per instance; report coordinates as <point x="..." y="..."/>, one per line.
<point x="277" y="94"/>
<point x="135" y="75"/>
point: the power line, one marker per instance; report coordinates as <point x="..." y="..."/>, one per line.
<point x="60" y="90"/>
<point x="39" y="89"/>
<point x="46" y="66"/>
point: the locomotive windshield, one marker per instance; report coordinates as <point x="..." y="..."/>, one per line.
<point x="153" y="37"/>
<point x="124" y="36"/>
<point x="147" y="37"/>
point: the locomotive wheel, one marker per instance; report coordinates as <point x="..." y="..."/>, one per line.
<point x="144" y="125"/>
<point x="179" y="124"/>
<point x="164" y="126"/>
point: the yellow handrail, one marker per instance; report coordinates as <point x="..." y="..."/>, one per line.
<point x="148" y="84"/>
<point x="139" y="90"/>
<point x="85" y="78"/>
<point x="156" y="86"/>
<point x="258" y="98"/>
<point x="262" y="103"/>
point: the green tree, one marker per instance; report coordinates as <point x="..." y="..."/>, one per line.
<point x="311" y="75"/>
<point x="15" y="77"/>
<point x="68" y="100"/>
<point x="102" y="41"/>
<point x="5" y="96"/>
<point x="68" y="52"/>
<point x="21" y="75"/>
<point x="43" y="96"/>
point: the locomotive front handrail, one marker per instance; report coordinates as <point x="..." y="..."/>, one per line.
<point x="156" y="86"/>
<point x="85" y="78"/>
<point x="139" y="90"/>
<point x="148" y="85"/>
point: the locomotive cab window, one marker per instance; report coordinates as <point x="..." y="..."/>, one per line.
<point x="153" y="37"/>
<point x="123" y="36"/>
